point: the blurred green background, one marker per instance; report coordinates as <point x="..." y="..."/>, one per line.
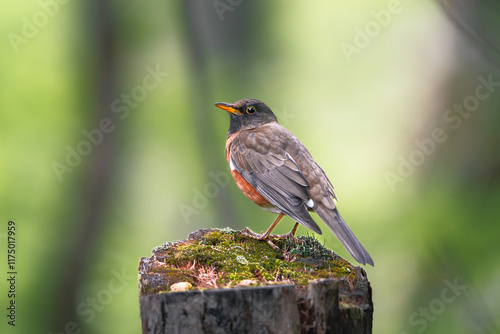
<point x="391" y="97"/>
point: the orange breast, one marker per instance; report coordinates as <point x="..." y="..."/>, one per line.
<point x="249" y="191"/>
<point x="245" y="187"/>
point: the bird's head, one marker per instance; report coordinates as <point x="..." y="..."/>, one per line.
<point x="247" y="114"/>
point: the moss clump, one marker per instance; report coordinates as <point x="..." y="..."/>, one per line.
<point x="218" y="258"/>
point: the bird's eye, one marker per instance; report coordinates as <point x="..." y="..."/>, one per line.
<point x="251" y="110"/>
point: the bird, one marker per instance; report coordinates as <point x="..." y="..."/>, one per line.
<point x="276" y="171"/>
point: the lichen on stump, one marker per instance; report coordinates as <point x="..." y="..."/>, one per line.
<point x="242" y="285"/>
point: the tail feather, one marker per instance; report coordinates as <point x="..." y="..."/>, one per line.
<point x="338" y="226"/>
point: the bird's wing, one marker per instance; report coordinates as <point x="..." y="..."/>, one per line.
<point x="267" y="167"/>
<point x="323" y="199"/>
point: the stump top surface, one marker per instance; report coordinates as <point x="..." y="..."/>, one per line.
<point x="223" y="258"/>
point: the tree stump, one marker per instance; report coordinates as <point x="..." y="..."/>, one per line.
<point x="234" y="284"/>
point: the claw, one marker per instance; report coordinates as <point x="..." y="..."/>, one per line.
<point x="288" y="235"/>
<point x="273" y="245"/>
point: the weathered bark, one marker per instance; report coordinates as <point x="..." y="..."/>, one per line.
<point x="267" y="309"/>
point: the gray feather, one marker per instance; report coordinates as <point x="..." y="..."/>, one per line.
<point x="338" y="226"/>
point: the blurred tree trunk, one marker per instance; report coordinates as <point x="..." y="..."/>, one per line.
<point x="99" y="163"/>
<point x="212" y="32"/>
<point x="471" y="151"/>
<point x="465" y="168"/>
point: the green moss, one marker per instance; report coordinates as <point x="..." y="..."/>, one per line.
<point x="225" y="257"/>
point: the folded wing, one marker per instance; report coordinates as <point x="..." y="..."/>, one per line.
<point x="275" y="175"/>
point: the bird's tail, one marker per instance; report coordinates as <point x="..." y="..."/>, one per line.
<point x="336" y="223"/>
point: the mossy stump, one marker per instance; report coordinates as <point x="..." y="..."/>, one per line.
<point x="234" y="284"/>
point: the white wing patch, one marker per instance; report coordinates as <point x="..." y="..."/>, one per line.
<point x="310" y="203"/>
<point x="231" y="164"/>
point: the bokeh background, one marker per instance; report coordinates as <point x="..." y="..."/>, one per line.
<point x="391" y="97"/>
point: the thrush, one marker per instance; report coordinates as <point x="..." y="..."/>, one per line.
<point x="277" y="172"/>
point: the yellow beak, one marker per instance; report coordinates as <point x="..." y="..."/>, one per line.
<point x="228" y="107"/>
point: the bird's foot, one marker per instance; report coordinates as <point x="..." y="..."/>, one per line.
<point x="288" y="235"/>
<point x="251" y="234"/>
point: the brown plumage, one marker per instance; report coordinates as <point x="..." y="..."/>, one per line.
<point x="276" y="171"/>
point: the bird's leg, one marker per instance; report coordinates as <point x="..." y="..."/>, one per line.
<point x="290" y="234"/>
<point x="267" y="235"/>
